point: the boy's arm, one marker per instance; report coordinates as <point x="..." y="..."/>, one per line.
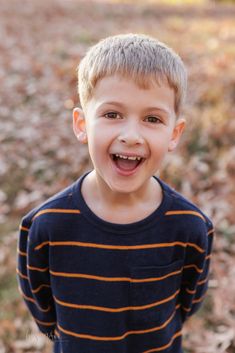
<point x="34" y="278"/>
<point x="195" y="276"/>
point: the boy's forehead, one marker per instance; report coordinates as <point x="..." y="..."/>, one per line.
<point x="109" y="84"/>
<point x="142" y="81"/>
<point x="125" y="91"/>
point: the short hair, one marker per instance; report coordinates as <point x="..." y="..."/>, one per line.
<point x="136" y="56"/>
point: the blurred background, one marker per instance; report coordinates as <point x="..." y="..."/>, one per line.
<point x="41" y="44"/>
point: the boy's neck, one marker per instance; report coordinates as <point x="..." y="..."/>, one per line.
<point x="103" y="202"/>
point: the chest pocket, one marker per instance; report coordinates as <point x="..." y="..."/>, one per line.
<point x="153" y="293"/>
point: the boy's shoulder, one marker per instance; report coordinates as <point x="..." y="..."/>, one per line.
<point x="181" y="206"/>
<point x="57" y="203"/>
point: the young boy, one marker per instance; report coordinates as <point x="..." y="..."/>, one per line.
<point x="117" y="261"/>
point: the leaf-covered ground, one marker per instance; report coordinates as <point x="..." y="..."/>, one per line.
<point x="41" y="43"/>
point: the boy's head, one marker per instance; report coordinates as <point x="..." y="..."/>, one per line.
<point x="131" y="90"/>
<point x="138" y="57"/>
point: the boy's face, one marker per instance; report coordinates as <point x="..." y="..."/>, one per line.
<point x="123" y="120"/>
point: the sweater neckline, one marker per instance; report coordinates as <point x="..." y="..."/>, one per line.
<point x="121" y="228"/>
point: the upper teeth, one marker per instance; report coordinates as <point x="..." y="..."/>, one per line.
<point x="126" y="157"/>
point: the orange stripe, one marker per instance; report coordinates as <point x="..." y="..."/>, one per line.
<point x="116" y="310"/>
<point x="37" y="268"/>
<point x="21" y="274"/>
<point x="21" y="252"/>
<point x="194" y="302"/>
<point x="198" y="300"/>
<point x="181" y="212"/>
<point x="33" y="301"/>
<point x="203" y="281"/>
<point x="45" y="323"/>
<point x="112" y="310"/>
<point x="199" y="270"/>
<point x="118" y="338"/>
<point x="24" y="228"/>
<point x="211" y="231"/>
<point x="208" y="257"/>
<point x="113" y="279"/>
<point x="41" y="245"/>
<point x="54" y="210"/>
<point x="196" y="247"/>
<point x="112" y="247"/>
<point x="57" y="333"/>
<point x="154" y="279"/>
<point x="162" y="348"/>
<point x="117" y="247"/>
<point x="190" y="291"/>
<point x="99" y="278"/>
<point x="40" y="287"/>
<point x="199" y="283"/>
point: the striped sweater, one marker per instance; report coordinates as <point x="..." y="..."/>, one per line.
<point x="97" y="287"/>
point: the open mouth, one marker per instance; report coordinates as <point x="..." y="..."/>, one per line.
<point x="126" y="163"/>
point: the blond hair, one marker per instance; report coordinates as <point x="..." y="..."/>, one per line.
<point x="139" y="57"/>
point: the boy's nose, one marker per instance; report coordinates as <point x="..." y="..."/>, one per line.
<point x="130" y="136"/>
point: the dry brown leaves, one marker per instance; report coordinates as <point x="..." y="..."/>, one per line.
<point x="41" y="44"/>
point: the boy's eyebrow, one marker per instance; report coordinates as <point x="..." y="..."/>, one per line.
<point x="112" y="103"/>
<point x="164" y="110"/>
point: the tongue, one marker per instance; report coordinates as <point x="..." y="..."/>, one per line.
<point x="126" y="164"/>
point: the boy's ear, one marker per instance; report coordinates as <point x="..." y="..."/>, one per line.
<point x="79" y="125"/>
<point x="176" y="134"/>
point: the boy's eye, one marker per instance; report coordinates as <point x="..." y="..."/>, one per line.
<point x="111" y="115"/>
<point x="153" y="119"/>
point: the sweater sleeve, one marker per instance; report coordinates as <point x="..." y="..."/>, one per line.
<point x="34" y="278"/>
<point x="196" y="275"/>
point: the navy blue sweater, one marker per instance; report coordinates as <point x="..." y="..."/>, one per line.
<point x="97" y="287"/>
